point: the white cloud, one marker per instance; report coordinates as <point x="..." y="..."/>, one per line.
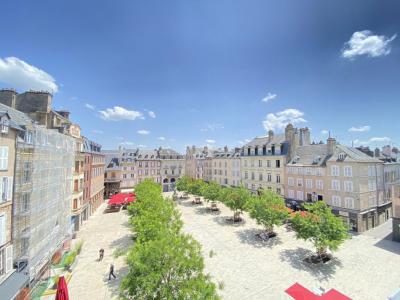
<point x="143" y="132"/>
<point x="360" y="129"/>
<point x="245" y="141"/>
<point x="278" y="121"/>
<point x="90" y="106"/>
<point x="98" y="131"/>
<point x="24" y="76"/>
<point x="127" y="143"/>
<point x="211" y="127"/>
<point x="161" y="138"/>
<point x="366" y="43"/>
<point x="269" y="97"/>
<point x="141" y="146"/>
<point x="119" y="113"/>
<point x="210" y="141"/>
<point x="152" y="114"/>
<point x="373" y="140"/>
<point x="324" y="132"/>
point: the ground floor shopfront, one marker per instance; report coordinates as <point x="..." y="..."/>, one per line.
<point x="168" y="184"/>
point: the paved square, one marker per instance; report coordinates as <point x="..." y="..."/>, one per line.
<point x="365" y="267"/>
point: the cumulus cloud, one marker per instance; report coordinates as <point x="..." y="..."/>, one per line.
<point x="324" y="132"/>
<point x="143" y="132"/>
<point x="118" y="113"/>
<point x="22" y="75"/>
<point x="161" y="138"/>
<point x="269" y="97"/>
<point x="210" y="141"/>
<point x="90" y="106"/>
<point x="278" y="121"/>
<point x="152" y="114"/>
<point x="245" y="141"/>
<point x="212" y="127"/>
<point x="366" y="43"/>
<point x="360" y="129"/>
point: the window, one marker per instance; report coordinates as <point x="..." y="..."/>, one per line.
<point x="268" y="164"/>
<point x="27" y="172"/>
<point x="291" y="194"/>
<point x="277" y="163"/>
<point x="25" y="203"/>
<point x="308" y="171"/>
<point x="260" y="163"/>
<point x="291" y="181"/>
<point x="246" y="175"/>
<point x="269" y="178"/>
<point x="334" y="170"/>
<point x="349" y="202"/>
<point x="319" y="172"/>
<point x="300" y="195"/>
<point x="299" y="181"/>
<point x="372" y="201"/>
<point x="24" y="246"/>
<point x="309" y="184"/>
<point x="348" y="172"/>
<point x="336" y="185"/>
<point x="336" y="201"/>
<point x="260" y="176"/>
<point x="2" y="262"/>
<point x="278" y="178"/>
<point x="348" y="186"/>
<point x="3" y="158"/>
<point x="252" y="176"/>
<point x="6" y="189"/>
<point x="278" y="191"/>
<point x="319" y="184"/>
<point x="371" y="185"/>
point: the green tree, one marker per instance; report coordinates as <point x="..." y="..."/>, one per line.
<point x="167" y="268"/>
<point x="236" y="199"/>
<point x="320" y="226"/>
<point x="211" y="192"/>
<point x="268" y="210"/>
<point x="183" y="184"/>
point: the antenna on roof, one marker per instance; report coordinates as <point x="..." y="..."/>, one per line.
<point x="329" y="134"/>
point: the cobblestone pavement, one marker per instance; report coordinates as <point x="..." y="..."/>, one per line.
<point x="90" y="277"/>
<point x="365" y="267"/>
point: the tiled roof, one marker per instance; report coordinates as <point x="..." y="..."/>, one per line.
<point x="315" y="155"/>
<point x="263" y="140"/>
<point x="16" y="116"/>
<point x="352" y="155"/>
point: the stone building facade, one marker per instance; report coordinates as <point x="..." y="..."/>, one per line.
<point x="226" y="167"/>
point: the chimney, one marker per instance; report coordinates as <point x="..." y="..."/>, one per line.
<point x="270" y="135"/>
<point x="205" y="149"/>
<point x="331" y="145"/>
<point x="305" y="137"/>
<point x="7" y="97"/>
<point x="289" y="130"/>
<point x="226" y="149"/>
<point x="377" y="152"/>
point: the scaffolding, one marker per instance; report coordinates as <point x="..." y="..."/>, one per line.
<point x="42" y="196"/>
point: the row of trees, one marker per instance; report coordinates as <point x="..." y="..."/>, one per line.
<point x="164" y="263"/>
<point x="317" y="224"/>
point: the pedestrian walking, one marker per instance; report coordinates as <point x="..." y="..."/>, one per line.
<point x="111" y="272"/>
<point x="101" y="254"/>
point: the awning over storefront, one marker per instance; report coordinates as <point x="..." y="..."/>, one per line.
<point x="122" y="199"/>
<point x="13" y="284"/>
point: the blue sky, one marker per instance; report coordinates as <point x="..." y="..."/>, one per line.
<point x="176" y="73"/>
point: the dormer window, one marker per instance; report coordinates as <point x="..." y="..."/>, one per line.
<point x="342" y="156"/>
<point x="248" y="151"/>
<point x="4" y="125"/>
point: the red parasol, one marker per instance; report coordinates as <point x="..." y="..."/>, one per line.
<point x="122" y="199"/>
<point x="62" y="289"/>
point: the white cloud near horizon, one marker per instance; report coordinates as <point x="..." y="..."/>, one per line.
<point x="90" y="106"/>
<point x="360" y="129"/>
<point x="143" y="132"/>
<point x="366" y="43"/>
<point x="372" y="140"/>
<point x="212" y="127"/>
<point x="269" y="97"/>
<point x="118" y="113"/>
<point x="324" y="132"/>
<point x="278" y="121"/>
<point x="161" y="138"/>
<point x="152" y="114"/>
<point x="210" y="141"/>
<point x="21" y="75"/>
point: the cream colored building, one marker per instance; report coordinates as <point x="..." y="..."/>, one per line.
<point x="262" y="163"/>
<point x="172" y="167"/>
<point x="226" y="167"/>
<point x="195" y="161"/>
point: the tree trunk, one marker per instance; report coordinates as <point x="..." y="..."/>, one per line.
<point x="236" y="216"/>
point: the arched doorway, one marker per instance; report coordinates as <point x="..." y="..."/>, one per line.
<point x="172" y="185"/>
<point x="165" y="185"/>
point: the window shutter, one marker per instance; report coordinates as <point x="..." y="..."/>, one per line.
<point x="3" y="229"/>
<point x="10" y="188"/>
<point x="9" y="258"/>
<point x="1" y="189"/>
<point x="5" y="188"/>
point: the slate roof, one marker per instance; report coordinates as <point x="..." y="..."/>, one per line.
<point x="352" y="155"/>
<point x="315" y="155"/>
<point x="263" y="140"/>
<point x="18" y="117"/>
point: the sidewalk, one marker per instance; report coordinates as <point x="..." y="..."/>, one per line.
<point x="90" y="277"/>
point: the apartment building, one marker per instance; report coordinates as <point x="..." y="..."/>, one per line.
<point x="112" y="173"/>
<point x="195" y="161"/>
<point x="9" y="132"/>
<point x="262" y="163"/>
<point x="44" y="161"/>
<point x="172" y="167"/>
<point x="148" y="165"/>
<point x="93" y="194"/>
<point x="226" y="167"/>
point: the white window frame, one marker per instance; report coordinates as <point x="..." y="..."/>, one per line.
<point x="3" y="158"/>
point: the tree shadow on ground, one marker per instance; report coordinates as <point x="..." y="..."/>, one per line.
<point x="248" y="236"/>
<point x="203" y="210"/>
<point x="227" y="221"/>
<point x="322" y="271"/>
<point x="123" y="243"/>
<point x="114" y="284"/>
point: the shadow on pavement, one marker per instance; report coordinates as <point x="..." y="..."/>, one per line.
<point x="248" y="236"/>
<point x="322" y="271"/>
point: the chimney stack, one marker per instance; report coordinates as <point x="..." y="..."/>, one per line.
<point x="331" y="145"/>
<point x="226" y="149"/>
<point x="270" y="135"/>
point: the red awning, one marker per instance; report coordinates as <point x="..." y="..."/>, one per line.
<point x="62" y="289"/>
<point x="299" y="292"/>
<point x="122" y="199"/>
